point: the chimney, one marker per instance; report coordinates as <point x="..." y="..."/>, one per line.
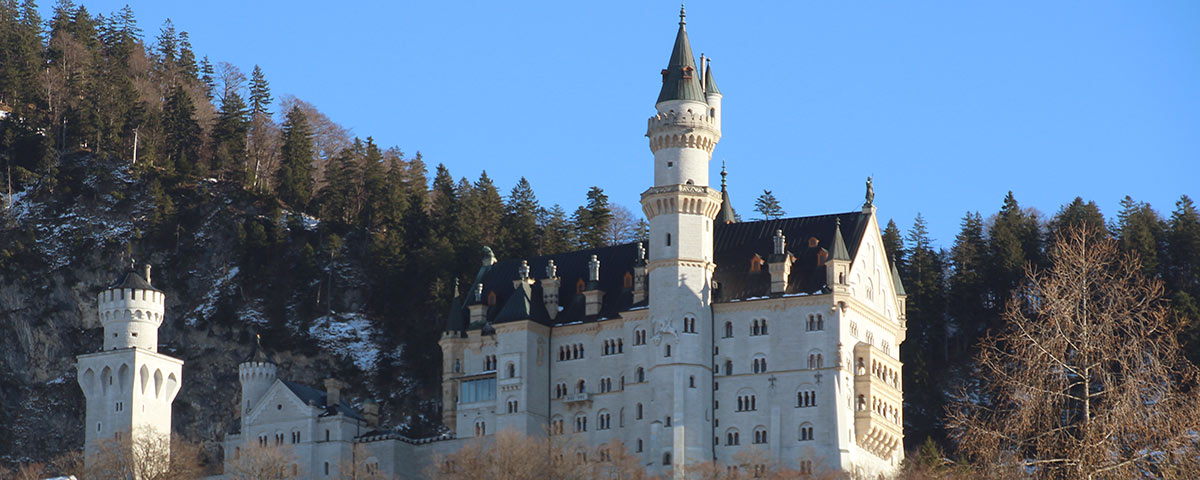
<point x="592" y="294"/>
<point x="371" y="412"/>
<point x="550" y="286"/>
<point x="147" y="275"/>
<point x="639" y="275"/>
<point x="780" y="264"/>
<point x="333" y="392"/>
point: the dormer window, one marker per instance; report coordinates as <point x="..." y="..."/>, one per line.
<point x="491" y="299"/>
<point x="628" y="280"/>
<point x="687" y="72"/>
<point x="756" y="263"/>
<point x="813" y="242"/>
<point x="822" y="256"/>
<point x="579" y="286"/>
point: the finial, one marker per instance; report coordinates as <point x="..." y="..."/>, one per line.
<point x="523" y="272"/>
<point x="723" y="174"/>
<point x="132" y="263"/>
<point x="551" y="269"/>
<point x="870" y="192"/>
<point x="682" y="15"/>
<point x="594" y="269"/>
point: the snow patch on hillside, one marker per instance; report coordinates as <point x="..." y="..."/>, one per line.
<point x="348" y="335"/>
<point x="206" y="308"/>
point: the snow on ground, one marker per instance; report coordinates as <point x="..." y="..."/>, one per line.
<point x="348" y="335"/>
<point x="205" y="308"/>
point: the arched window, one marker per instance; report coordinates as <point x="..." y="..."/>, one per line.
<point x="639" y="446"/>
<point x="806" y="432"/>
<point x="763" y="328"/>
<point x="667" y="351"/>
<point x="668" y="244"/>
<point x="729" y="367"/>
<point x="628" y="281"/>
<point x="491" y="299"/>
<point x="641" y="375"/>
<point x="639" y="411"/>
<point x="667" y="458"/>
<point x="556" y="425"/>
<point x="581" y="423"/>
<point x="820" y="322"/>
<point x="728" y="329"/>
<point x="512" y="370"/>
<point x="754" y="328"/>
<point x="760" y="435"/>
<point x="731" y="437"/>
<point x="692" y="381"/>
<point x="480" y="428"/>
<point x="580" y="387"/>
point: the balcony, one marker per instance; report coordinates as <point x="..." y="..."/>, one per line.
<point x="577" y="397"/>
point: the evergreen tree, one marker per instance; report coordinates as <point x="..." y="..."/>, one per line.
<point x="229" y="139"/>
<point x="482" y="211"/>
<point x="294" y="184"/>
<point x="260" y="93"/>
<point x="342" y="194"/>
<point x="1014" y="241"/>
<point x="443" y="211"/>
<point x="967" y="287"/>
<point x="1183" y="248"/>
<point x="591" y="220"/>
<point x="1139" y="230"/>
<point x="925" y="352"/>
<point x="768" y="206"/>
<point x="168" y="46"/>
<point x="182" y="142"/>
<point x="187" y="58"/>
<point x="375" y="186"/>
<point x="557" y="236"/>
<point x="519" y="232"/>
<point x="1077" y="214"/>
<point x="893" y="243"/>
<point x="20" y="54"/>
<point x="207" y="77"/>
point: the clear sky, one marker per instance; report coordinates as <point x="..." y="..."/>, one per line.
<point x="949" y="104"/>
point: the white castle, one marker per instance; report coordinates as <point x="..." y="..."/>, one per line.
<point x="717" y="337"/>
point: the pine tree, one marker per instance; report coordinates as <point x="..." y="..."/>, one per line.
<point x="1139" y="230"/>
<point x="260" y="93"/>
<point x="187" y="58"/>
<point x="341" y="197"/>
<point x="967" y="290"/>
<point x="443" y="211"/>
<point x="207" y="77"/>
<point x="182" y="142"/>
<point x="229" y="139"/>
<point x="519" y="231"/>
<point x="1183" y="248"/>
<point x="591" y="220"/>
<point x="295" y="177"/>
<point x="168" y="46"/>
<point x="482" y="211"/>
<point x="926" y="347"/>
<point x="557" y="236"/>
<point x="1077" y="214"/>
<point x="893" y="243"/>
<point x="768" y="206"/>
<point x="1014" y="241"/>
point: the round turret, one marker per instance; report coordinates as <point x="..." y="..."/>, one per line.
<point x="131" y="310"/>
<point x="256" y="374"/>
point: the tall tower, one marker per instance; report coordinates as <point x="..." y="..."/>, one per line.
<point x="129" y="385"/>
<point x="256" y="374"/>
<point x="681" y="208"/>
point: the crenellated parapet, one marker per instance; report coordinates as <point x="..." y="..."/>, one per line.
<point x="683" y="130"/>
<point x="681" y="199"/>
<point x="131" y="311"/>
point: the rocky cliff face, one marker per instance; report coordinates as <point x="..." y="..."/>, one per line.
<point x="60" y="247"/>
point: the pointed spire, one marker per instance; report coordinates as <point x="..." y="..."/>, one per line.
<point x="681" y="80"/>
<point x="896" y="278"/>
<point x="839" y="246"/>
<point x="710" y="84"/>
<point x="726" y="214"/>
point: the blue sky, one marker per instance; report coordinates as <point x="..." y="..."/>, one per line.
<point x="948" y="104"/>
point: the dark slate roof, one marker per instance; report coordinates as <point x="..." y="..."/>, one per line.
<point x="677" y="85"/>
<point x="316" y="397"/>
<point x="131" y="279"/>
<point x="526" y="303"/>
<point x="899" y="285"/>
<point x="839" y="245"/>
<point x="726" y="215"/>
<point x="736" y="244"/>
<point x="710" y="85"/>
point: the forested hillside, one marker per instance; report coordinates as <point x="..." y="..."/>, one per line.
<point x="259" y="216"/>
<point x="263" y="216"/>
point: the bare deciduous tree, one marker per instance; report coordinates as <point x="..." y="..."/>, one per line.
<point x="255" y="462"/>
<point x="147" y="456"/>
<point x="1088" y="380"/>
<point x="511" y="455"/>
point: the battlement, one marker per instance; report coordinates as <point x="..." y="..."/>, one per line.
<point x="683" y="130"/>
<point x="250" y="371"/>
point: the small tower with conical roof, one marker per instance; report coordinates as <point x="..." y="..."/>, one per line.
<point x="129" y="386"/>
<point x="256" y="374"/>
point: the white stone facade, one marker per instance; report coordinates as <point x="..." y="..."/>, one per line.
<point x="128" y="385"/>
<point x="712" y="340"/>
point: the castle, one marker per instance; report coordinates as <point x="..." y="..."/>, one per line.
<point x="713" y="338"/>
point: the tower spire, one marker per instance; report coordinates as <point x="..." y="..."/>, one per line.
<point x="682" y="14"/>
